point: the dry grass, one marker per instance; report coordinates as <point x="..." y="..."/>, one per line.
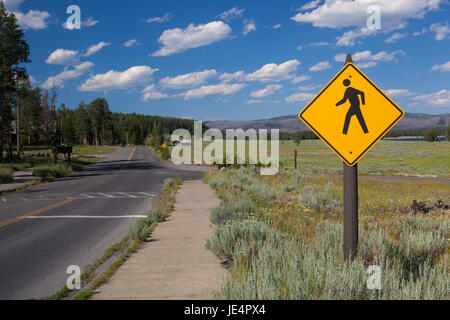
<point x="300" y="257"/>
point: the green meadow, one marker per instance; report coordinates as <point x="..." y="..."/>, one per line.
<point x="386" y="158"/>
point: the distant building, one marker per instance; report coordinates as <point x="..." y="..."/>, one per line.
<point x="184" y="143"/>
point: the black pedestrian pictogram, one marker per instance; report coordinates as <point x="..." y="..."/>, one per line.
<point x="351" y="94"/>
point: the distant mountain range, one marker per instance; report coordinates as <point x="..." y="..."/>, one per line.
<point x="292" y="123"/>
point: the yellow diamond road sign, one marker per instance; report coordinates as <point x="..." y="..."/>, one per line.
<point x="351" y="114"/>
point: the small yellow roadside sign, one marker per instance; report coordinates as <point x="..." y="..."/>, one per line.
<point x="351" y="114"/>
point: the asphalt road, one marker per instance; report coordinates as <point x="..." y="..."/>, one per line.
<point x="72" y="221"/>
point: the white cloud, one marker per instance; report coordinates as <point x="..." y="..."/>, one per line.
<point x="96" y="48"/>
<point x="151" y="93"/>
<point x="274" y="72"/>
<point x="231" y="14"/>
<point x="300" y="79"/>
<point x="299" y="48"/>
<point x="222" y="89"/>
<point x="437" y="99"/>
<point x="270" y="72"/>
<point x="398" y="93"/>
<point x="367" y="56"/>
<point x="418" y="33"/>
<point x="368" y="64"/>
<point x="249" y="26"/>
<point x="34" y="19"/>
<point x="442" y="31"/>
<point x="441" y="67"/>
<point x="134" y="76"/>
<point x="352" y="13"/>
<point x="154" y="95"/>
<point x="277" y="26"/>
<point x="323" y="65"/>
<point x="227" y="77"/>
<point x="319" y="44"/>
<point x="63" y="56"/>
<point x="366" y="59"/>
<point x="178" y="40"/>
<point x="310" y="5"/>
<point x="150" y="88"/>
<point x="71" y="57"/>
<point x="189" y="80"/>
<point x="267" y="91"/>
<point x="130" y="43"/>
<point x="32" y="80"/>
<point x="349" y="38"/>
<point x="12" y="4"/>
<point x="59" y="80"/>
<point x="299" y="97"/>
<point x="307" y="88"/>
<point x="254" y="101"/>
<point x="164" y="18"/>
<point x="395" y="37"/>
<point x="89" y="22"/>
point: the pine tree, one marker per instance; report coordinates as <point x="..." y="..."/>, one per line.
<point x="100" y="117"/>
<point x="30" y="113"/>
<point x="14" y="51"/>
<point x="298" y="137"/>
<point x="431" y="135"/>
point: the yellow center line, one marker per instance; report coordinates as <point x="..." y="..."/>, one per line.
<point x="131" y="154"/>
<point x="34" y="213"/>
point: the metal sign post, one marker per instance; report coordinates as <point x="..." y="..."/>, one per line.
<point x="295" y="159"/>
<point x="350" y="211"/>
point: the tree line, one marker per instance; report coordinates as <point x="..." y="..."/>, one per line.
<point x="298" y="136"/>
<point x="89" y="124"/>
<point x="429" y="134"/>
<point x="95" y="124"/>
<point x="422" y="132"/>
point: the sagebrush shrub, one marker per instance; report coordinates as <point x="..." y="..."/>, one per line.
<point x="228" y="209"/>
<point x="319" y="199"/>
<point x="270" y="261"/>
<point x="236" y="237"/>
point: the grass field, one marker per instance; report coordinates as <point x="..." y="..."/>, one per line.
<point x="385" y="158"/>
<point x="282" y="235"/>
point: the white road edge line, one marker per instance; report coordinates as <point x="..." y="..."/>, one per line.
<point x="128" y="195"/>
<point x="148" y="194"/>
<point x="86" y="217"/>
<point x="105" y="195"/>
<point x="86" y="195"/>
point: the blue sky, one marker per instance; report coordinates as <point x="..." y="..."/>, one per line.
<point x="235" y="59"/>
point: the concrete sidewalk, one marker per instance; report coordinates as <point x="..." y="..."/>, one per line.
<point x="175" y="264"/>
